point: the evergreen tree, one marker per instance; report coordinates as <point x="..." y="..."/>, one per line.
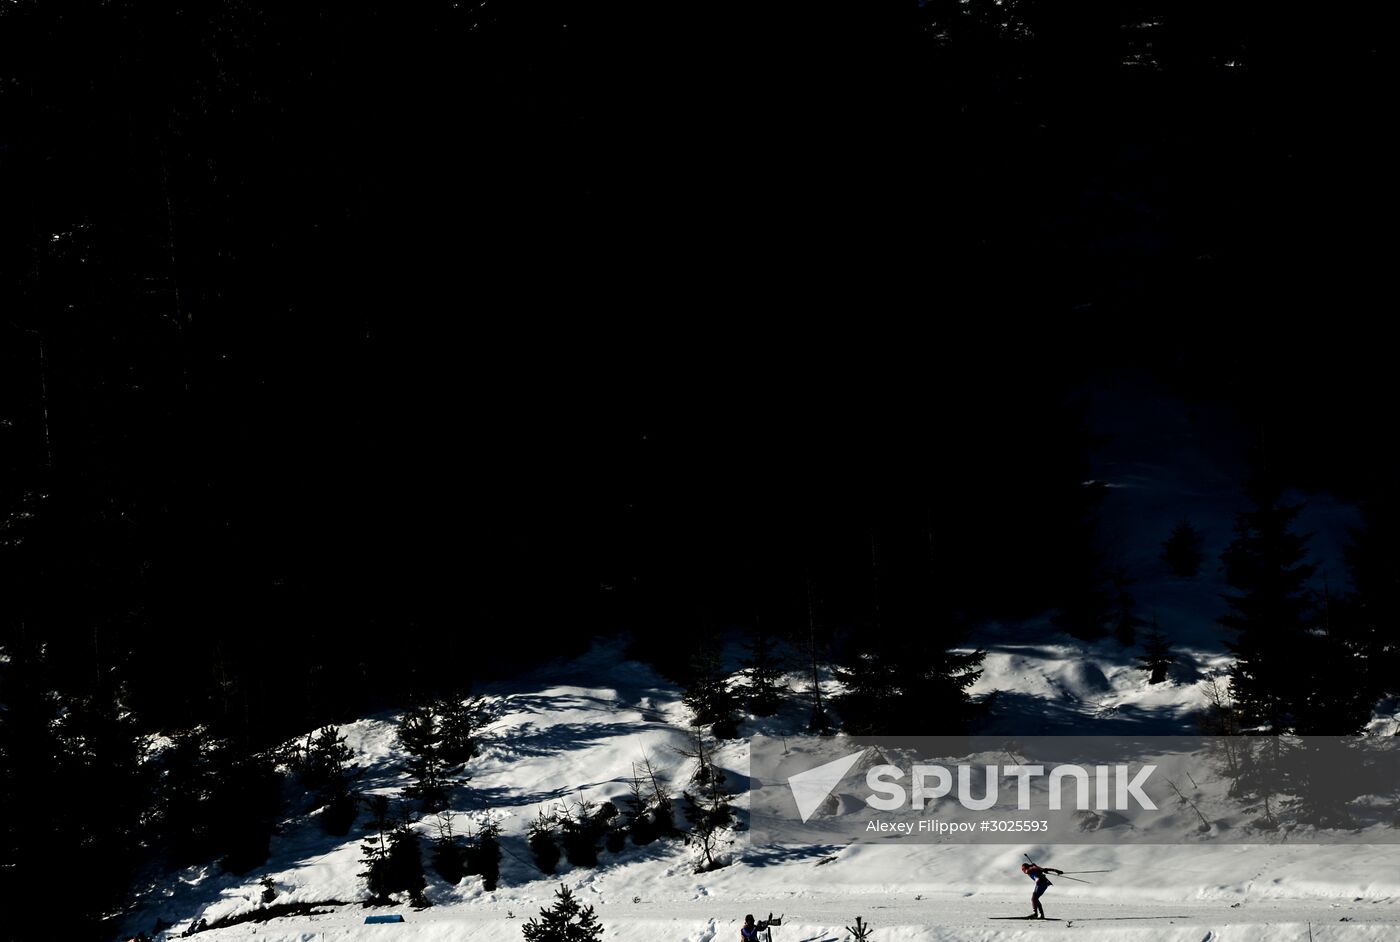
<point x="1156" y="658"/>
<point x="58" y="755"/>
<point x="374" y="852"/>
<point x="1293" y="670"/>
<point x="460" y="718"/>
<point x="449" y="856"/>
<point x="636" y="822"/>
<point x="484" y="855"/>
<point x="406" y="864"/>
<point x="647" y="810"/>
<point x="420" y="736"/>
<point x="1343" y="657"/>
<point x="327" y="771"/>
<point x="934" y="677"/>
<point x="913" y="674"/>
<point x="861" y="931"/>
<point x="392" y="858"/>
<point x="579" y="832"/>
<point x="765" y="675"/>
<point x="565" y="921"/>
<point x="706" y="806"/>
<point x="543" y="841"/>
<point x="1182" y="551"/>
<point x="709" y="696"/>
<point x="1270" y="609"/>
<point x="216" y="800"/>
<point x="870" y="700"/>
<point x="100" y="768"/>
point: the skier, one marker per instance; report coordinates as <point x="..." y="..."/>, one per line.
<point x="1037" y="873"/>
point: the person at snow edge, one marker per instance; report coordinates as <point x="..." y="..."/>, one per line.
<point x="1037" y="873"/>
<point x="750" y="930"/>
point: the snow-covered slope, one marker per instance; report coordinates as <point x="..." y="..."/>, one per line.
<point x="576" y="728"/>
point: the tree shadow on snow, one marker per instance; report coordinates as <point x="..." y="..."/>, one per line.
<point x="529" y="741"/>
<point x="1014" y="713"/>
<point x="775" y="855"/>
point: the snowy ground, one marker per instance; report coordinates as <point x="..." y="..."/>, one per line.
<point x="553" y="740"/>
<point x="932" y="919"/>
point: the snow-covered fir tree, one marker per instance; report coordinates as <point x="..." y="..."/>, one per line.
<point x="566" y="921"/>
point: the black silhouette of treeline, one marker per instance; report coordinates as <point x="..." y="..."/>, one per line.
<point x="349" y="355"/>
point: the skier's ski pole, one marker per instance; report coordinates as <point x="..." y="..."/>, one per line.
<point x="1075" y="879"/>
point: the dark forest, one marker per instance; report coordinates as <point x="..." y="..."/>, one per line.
<point x="354" y="355"/>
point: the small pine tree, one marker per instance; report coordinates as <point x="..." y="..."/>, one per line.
<point x="636" y="821"/>
<point x="484" y="856"/>
<point x="710" y="816"/>
<point x="1182" y="551"/>
<point x="764" y="672"/>
<point x="326" y="770"/>
<point x="1156" y="658"/>
<point x="860" y="932"/>
<point x="460" y="720"/>
<point x="565" y="921"/>
<point x="542" y="841"/>
<point x="392" y="858"/>
<point x="579" y="833"/>
<point x="707" y="809"/>
<point x="406" y="864"/>
<point x="325" y="763"/>
<point x="709" y="696"/>
<point x="374" y="853"/>
<point x="648" y="810"/>
<point x="933" y="678"/>
<point x="449" y="856"/>
<point x="871" y="694"/>
<point x="1271" y="610"/>
<point x="421" y="738"/>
